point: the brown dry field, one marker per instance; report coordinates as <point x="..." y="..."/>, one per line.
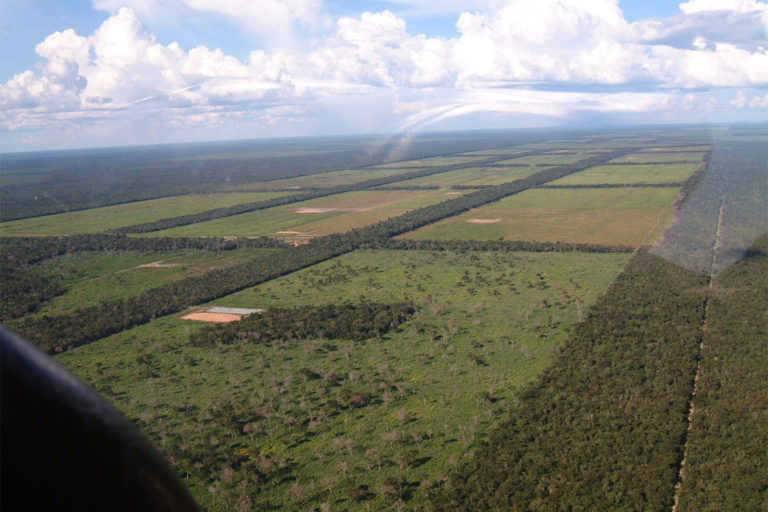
<point x="212" y="317"/>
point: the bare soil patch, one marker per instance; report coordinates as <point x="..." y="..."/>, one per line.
<point x="483" y="221"/>
<point x="212" y="317"/>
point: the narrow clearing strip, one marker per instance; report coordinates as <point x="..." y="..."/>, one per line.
<point x="695" y="389"/>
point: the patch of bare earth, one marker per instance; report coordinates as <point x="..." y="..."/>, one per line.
<point x="212" y="317"/>
<point x="483" y="221"/>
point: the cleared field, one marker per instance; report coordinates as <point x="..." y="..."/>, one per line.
<point x="431" y="388"/>
<point x="96" y="220"/>
<point x="602" y="216"/>
<point x="317" y="217"/>
<point x="628" y="174"/>
<point x="328" y="179"/>
<point x="472" y="176"/>
<point x="92" y="278"/>
<point x="660" y="157"/>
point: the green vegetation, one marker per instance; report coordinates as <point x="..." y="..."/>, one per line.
<point x="113" y="217"/>
<point x="281" y="425"/>
<point x="626" y="174"/>
<point x="725" y="465"/>
<point x="601" y="428"/>
<point x="623" y="216"/>
<point x="420" y="347"/>
<point x="488" y="175"/>
<point x="345" y="322"/>
<point x="94" y="278"/>
<point x="317" y="217"/>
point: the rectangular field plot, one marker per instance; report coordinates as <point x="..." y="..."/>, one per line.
<point x="492" y="175"/>
<point x="454" y="359"/>
<point x="623" y="216"/>
<point x="317" y="217"/>
<point x="328" y="179"/>
<point x="653" y="157"/>
<point x="629" y="174"/>
<point x="111" y="217"/>
<point x="91" y="278"/>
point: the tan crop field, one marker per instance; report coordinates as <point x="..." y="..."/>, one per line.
<point x="316" y="217"/>
<point x="653" y="157"/>
<point x="623" y="216"/>
<point x="473" y="176"/>
<point x="628" y="174"/>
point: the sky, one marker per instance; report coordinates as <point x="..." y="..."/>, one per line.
<point x="90" y="73"/>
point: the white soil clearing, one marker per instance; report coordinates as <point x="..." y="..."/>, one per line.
<point x="483" y="221"/>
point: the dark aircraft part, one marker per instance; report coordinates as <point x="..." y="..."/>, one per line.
<point x="65" y="448"/>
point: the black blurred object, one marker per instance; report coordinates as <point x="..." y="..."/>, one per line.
<point x="65" y="448"/>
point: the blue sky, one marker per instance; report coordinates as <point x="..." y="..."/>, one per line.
<point x="111" y="72"/>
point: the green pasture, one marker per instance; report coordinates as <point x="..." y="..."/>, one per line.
<point x="473" y="176"/>
<point x="628" y="174"/>
<point x="316" y="217"/>
<point x="91" y="278"/>
<point x="623" y="216"/>
<point x="487" y="324"/>
<point x="96" y="220"/>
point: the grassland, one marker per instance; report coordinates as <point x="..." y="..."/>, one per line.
<point x="111" y="217"/>
<point x="433" y="387"/>
<point x="629" y="174"/>
<point x="601" y="216"/>
<point x="92" y="278"/>
<point x="332" y="214"/>
<point x="491" y="175"/>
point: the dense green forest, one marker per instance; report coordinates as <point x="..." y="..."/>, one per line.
<point x="601" y="428"/>
<point x="346" y="322"/>
<point x="731" y="398"/>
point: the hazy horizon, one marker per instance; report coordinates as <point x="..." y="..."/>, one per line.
<point x="106" y="73"/>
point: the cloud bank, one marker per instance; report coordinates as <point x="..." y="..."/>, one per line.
<point x="532" y="57"/>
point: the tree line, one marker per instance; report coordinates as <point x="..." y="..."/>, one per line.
<point x="601" y="429"/>
<point x="22" y="251"/>
<point x="346" y="322"/>
<point x="462" y="246"/>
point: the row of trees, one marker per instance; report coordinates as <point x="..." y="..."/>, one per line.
<point x="347" y="322"/>
<point x="727" y="458"/>
<point x="618" y="185"/>
<point x="601" y="429"/>
<point x="462" y="246"/>
<point x="61" y="332"/>
<point x="21" y="251"/>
